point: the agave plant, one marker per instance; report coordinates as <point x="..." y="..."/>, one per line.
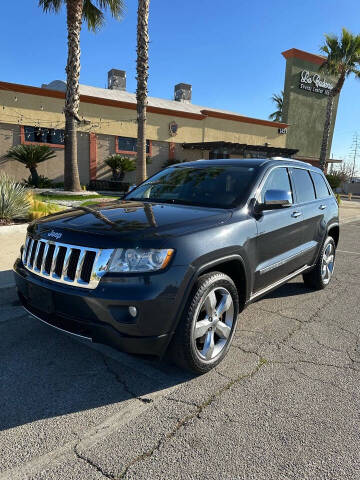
<point x="14" y="201"/>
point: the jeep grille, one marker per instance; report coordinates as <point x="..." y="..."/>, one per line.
<point x="69" y="264"/>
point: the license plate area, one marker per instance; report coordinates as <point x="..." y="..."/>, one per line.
<point x="40" y="298"/>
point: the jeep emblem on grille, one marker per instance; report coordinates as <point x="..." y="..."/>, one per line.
<point x="54" y="234"/>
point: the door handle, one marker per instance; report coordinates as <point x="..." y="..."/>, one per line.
<point x="296" y="214"/>
<point x="322" y="207"/>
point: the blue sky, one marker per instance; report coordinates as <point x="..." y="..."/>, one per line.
<point x="230" y="51"/>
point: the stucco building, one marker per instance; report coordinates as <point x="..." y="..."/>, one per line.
<point x="176" y="129"/>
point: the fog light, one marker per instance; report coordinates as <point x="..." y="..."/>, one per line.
<point x="133" y="311"/>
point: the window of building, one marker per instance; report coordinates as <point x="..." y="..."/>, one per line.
<point x="321" y="188"/>
<point x="278" y="179"/>
<point x="303" y="185"/>
<point x="43" y="135"/>
<point x="129" y="145"/>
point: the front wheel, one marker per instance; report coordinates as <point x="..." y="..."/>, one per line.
<point x="320" y="276"/>
<point x="206" y="329"/>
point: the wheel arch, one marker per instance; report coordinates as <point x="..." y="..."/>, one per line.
<point x="234" y="267"/>
<point x="334" y="232"/>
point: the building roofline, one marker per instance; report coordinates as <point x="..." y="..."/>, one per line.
<point x="309" y="57"/>
<point x="241" y="118"/>
<point x="28" y="89"/>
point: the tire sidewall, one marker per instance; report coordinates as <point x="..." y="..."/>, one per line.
<point x="329" y="240"/>
<point x="204" y="286"/>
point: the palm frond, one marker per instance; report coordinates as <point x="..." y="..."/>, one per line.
<point x="93" y="16"/>
<point x="93" y="12"/>
<point x="278" y="99"/>
<point x="116" y="7"/>
<point x="342" y="54"/>
<point x="51" y="5"/>
<point x="31" y="155"/>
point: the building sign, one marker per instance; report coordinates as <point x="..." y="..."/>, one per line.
<point x="282" y="131"/>
<point x="314" y="83"/>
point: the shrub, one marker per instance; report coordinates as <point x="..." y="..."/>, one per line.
<point x="40" y="209"/>
<point x="14" y="202"/>
<point x="334" y="180"/>
<point x="119" y="165"/>
<point x="42" y="182"/>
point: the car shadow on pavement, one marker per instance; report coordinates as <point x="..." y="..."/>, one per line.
<point x="46" y="373"/>
<point x="289" y="290"/>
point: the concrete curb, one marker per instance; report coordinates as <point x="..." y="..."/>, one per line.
<point x="6" y="229"/>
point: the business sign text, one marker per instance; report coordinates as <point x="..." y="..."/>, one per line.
<point x="312" y="82"/>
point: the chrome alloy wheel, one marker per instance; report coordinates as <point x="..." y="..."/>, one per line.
<point x="213" y="323"/>
<point x="328" y="263"/>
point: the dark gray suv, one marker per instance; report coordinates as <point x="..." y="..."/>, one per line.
<point x="169" y="268"/>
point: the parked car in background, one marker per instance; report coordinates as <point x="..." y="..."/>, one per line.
<point x="169" y="268"/>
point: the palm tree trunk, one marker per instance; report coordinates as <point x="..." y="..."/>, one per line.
<point x="326" y="134"/>
<point x="142" y="66"/>
<point x="34" y="176"/>
<point x="72" y="97"/>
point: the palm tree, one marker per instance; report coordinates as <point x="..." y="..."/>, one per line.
<point x="31" y="156"/>
<point x="91" y="12"/>
<point x="343" y="59"/>
<point x="142" y="67"/>
<point x="278" y="99"/>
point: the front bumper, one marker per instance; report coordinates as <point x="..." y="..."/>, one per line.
<point x="102" y="314"/>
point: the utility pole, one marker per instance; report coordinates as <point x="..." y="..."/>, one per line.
<point x="354" y="153"/>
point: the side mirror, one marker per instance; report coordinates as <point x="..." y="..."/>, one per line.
<point x="276" y="199"/>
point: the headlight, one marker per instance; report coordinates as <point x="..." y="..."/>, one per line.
<point x="139" y="260"/>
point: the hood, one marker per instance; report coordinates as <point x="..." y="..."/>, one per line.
<point x="128" y="219"/>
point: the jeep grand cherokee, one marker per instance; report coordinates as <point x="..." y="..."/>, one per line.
<point x="170" y="267"/>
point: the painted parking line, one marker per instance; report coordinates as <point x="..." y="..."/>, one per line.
<point x="347" y="251"/>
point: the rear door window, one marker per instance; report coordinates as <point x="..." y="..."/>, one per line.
<point x="303" y="185"/>
<point x="321" y="188"/>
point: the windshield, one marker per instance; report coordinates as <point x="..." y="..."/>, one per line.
<point x="221" y="186"/>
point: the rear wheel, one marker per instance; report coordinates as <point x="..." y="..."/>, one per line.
<point x="321" y="275"/>
<point x="206" y="329"/>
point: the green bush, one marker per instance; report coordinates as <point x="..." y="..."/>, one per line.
<point x="14" y="201"/>
<point x="119" y="165"/>
<point x="334" y="180"/>
<point x="42" y="182"/>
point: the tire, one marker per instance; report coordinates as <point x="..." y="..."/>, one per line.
<point x="204" y="335"/>
<point x="320" y="276"/>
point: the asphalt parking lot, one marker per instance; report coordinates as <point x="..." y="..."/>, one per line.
<point x="285" y="404"/>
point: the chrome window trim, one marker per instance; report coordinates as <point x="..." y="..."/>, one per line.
<point x="265" y="177"/>
<point x="99" y="267"/>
